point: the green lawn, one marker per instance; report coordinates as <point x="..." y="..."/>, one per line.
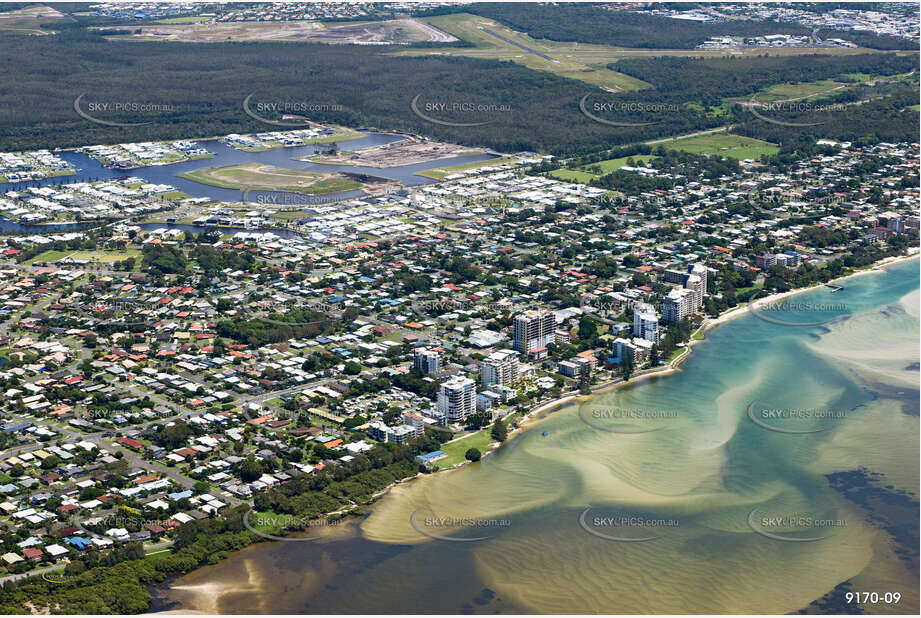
<point x="269" y="521"/>
<point x="48" y="256"/>
<point x="191" y="19"/>
<point x="611" y="165"/>
<point x="455" y="450"/>
<point x="731" y="146"/>
<point x="584" y="176"/>
<point x="799" y="91"/>
<point x="715" y="110"/>
<point x="106" y="257"/>
<point x="675" y="354"/>
<point x="568" y="175"/>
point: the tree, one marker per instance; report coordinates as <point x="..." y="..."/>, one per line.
<point x="654" y="355"/>
<point x="588" y="329"/>
<point x="626" y="368"/>
<point x="250" y="469"/>
<point x="499" y="431"/>
<point x="585" y="382"/>
<point x="74" y="568"/>
<point x="473" y="454"/>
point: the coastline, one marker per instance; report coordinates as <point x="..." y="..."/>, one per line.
<point x="528" y="418"/>
<point x="708" y="323"/>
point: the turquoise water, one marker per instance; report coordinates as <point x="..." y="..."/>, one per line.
<point x="700" y="509"/>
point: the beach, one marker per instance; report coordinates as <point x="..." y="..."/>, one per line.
<point x="705" y="469"/>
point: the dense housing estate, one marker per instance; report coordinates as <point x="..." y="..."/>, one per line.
<point x="200" y="370"/>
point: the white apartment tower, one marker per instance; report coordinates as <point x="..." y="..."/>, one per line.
<point x="534" y="329"/>
<point x="499" y="368"/>
<point x="677" y="305"/>
<point x="426" y="361"/>
<point x="457" y="399"/>
<point x="645" y="322"/>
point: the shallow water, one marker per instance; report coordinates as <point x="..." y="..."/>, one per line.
<point x="563" y="504"/>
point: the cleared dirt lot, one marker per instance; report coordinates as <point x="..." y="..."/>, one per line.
<point x="408" y="152"/>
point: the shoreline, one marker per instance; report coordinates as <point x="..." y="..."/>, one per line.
<point x="674" y="366"/>
<point x="528" y="418"/>
<point x="708" y="323"/>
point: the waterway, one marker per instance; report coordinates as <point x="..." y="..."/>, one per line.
<point x="89" y="170"/>
<point x="661" y="497"/>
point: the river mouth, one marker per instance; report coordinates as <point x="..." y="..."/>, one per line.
<point x="710" y="513"/>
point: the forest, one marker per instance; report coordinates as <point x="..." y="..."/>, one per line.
<point x="205" y="85"/>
